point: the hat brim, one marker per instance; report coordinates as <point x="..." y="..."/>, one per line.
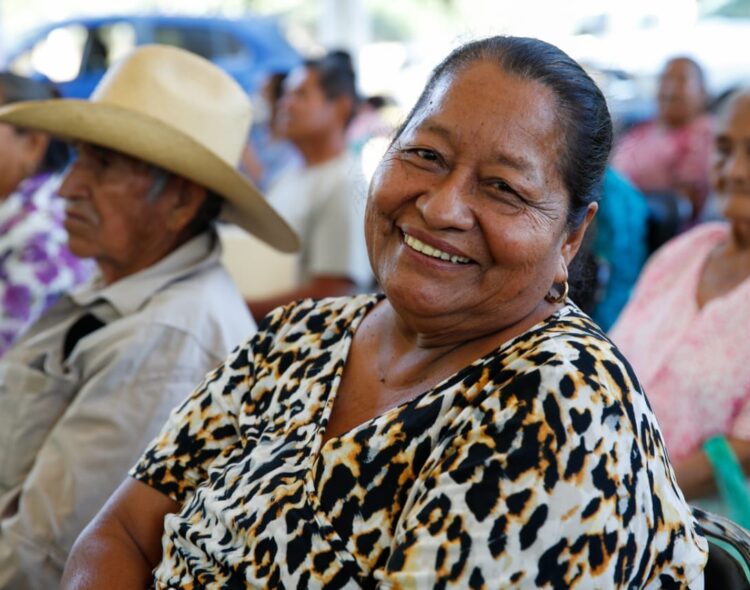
<point x="152" y="141"/>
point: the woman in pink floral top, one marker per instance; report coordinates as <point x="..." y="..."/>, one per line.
<point x="671" y="154"/>
<point x="36" y="266"/>
<point x="686" y="330"/>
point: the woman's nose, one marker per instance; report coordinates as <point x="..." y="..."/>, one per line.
<point x="447" y="205"/>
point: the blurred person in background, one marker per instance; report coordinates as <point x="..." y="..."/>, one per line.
<point x="324" y="200"/>
<point x="369" y="121"/>
<point x="467" y="428"/>
<point x="269" y="153"/>
<point x="36" y="266"/>
<point x="670" y="154"/>
<point x="614" y="252"/>
<point x="686" y="327"/>
<point x="89" y="384"/>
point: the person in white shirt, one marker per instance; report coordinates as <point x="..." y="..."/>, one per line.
<point x="323" y="201"/>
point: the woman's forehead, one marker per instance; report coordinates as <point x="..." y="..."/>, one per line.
<point x="486" y="84"/>
<point x="735" y="118"/>
<point x="483" y="98"/>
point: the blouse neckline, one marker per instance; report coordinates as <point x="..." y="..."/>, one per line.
<point x="319" y="446"/>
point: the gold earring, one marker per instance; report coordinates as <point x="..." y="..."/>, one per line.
<point x="560" y="297"/>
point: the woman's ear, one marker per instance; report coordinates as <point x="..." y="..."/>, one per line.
<point x="572" y="243"/>
<point x="574" y="239"/>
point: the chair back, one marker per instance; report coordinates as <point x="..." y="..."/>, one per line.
<point x="728" y="566"/>
<point x="668" y="215"/>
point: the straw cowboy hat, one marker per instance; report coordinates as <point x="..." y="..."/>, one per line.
<point x="173" y="109"/>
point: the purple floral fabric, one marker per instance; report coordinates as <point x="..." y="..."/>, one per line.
<point x="36" y="266"/>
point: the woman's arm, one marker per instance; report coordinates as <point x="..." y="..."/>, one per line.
<point x="695" y="476"/>
<point x="122" y="545"/>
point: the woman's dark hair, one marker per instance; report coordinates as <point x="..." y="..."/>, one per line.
<point x="14" y="88"/>
<point x="336" y="77"/>
<point x="582" y="109"/>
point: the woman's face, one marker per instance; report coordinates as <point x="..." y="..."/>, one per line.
<point x="731" y="162"/>
<point x="16" y="158"/>
<point x="466" y="217"/>
<point x="681" y="96"/>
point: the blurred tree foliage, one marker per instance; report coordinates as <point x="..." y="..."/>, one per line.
<point x="728" y="8"/>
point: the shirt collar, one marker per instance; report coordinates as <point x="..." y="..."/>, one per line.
<point x="131" y="293"/>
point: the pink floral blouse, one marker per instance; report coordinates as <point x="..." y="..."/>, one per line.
<point x="661" y="160"/>
<point x="693" y="363"/>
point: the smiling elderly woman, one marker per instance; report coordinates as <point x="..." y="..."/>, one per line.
<point x="471" y="428"/>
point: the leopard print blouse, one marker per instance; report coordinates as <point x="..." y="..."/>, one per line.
<point x="539" y="465"/>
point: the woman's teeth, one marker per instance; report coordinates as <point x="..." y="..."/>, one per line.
<point x="423" y="248"/>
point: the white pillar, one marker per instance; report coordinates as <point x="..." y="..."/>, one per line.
<point x="2" y="33"/>
<point x="344" y="25"/>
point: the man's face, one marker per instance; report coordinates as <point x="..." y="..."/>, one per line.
<point x="108" y="216"/>
<point x="304" y="110"/>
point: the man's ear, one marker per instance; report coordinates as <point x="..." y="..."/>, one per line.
<point x="345" y="109"/>
<point x="187" y="198"/>
<point x="572" y="243"/>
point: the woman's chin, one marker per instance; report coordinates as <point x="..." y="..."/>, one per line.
<point x="422" y="302"/>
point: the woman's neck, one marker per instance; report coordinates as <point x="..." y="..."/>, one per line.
<point x="420" y="347"/>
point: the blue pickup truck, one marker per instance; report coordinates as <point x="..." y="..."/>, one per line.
<point x="75" y="53"/>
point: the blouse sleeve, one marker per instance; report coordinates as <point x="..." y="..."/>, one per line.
<point x="563" y="489"/>
<point x="206" y="426"/>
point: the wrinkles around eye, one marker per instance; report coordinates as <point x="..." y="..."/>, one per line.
<point x="422" y="158"/>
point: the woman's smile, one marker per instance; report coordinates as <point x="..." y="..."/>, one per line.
<point x="434" y="252"/>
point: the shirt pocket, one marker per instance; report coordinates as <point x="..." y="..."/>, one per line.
<point x="32" y="399"/>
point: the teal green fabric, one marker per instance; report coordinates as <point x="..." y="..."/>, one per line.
<point x="620" y="243"/>
<point x="730" y="479"/>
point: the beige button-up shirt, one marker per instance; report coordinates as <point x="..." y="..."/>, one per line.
<point x="71" y="427"/>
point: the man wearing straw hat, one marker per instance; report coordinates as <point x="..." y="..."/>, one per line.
<point x="83" y="392"/>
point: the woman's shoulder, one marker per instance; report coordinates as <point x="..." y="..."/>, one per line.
<point x="570" y="381"/>
<point x="703" y="125"/>
<point x="568" y="326"/>
<point x="574" y="359"/>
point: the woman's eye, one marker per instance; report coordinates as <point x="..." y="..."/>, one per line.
<point x="723" y="148"/>
<point x="503" y="187"/>
<point x="427" y="155"/>
<point x="423" y="154"/>
<point x="503" y="193"/>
